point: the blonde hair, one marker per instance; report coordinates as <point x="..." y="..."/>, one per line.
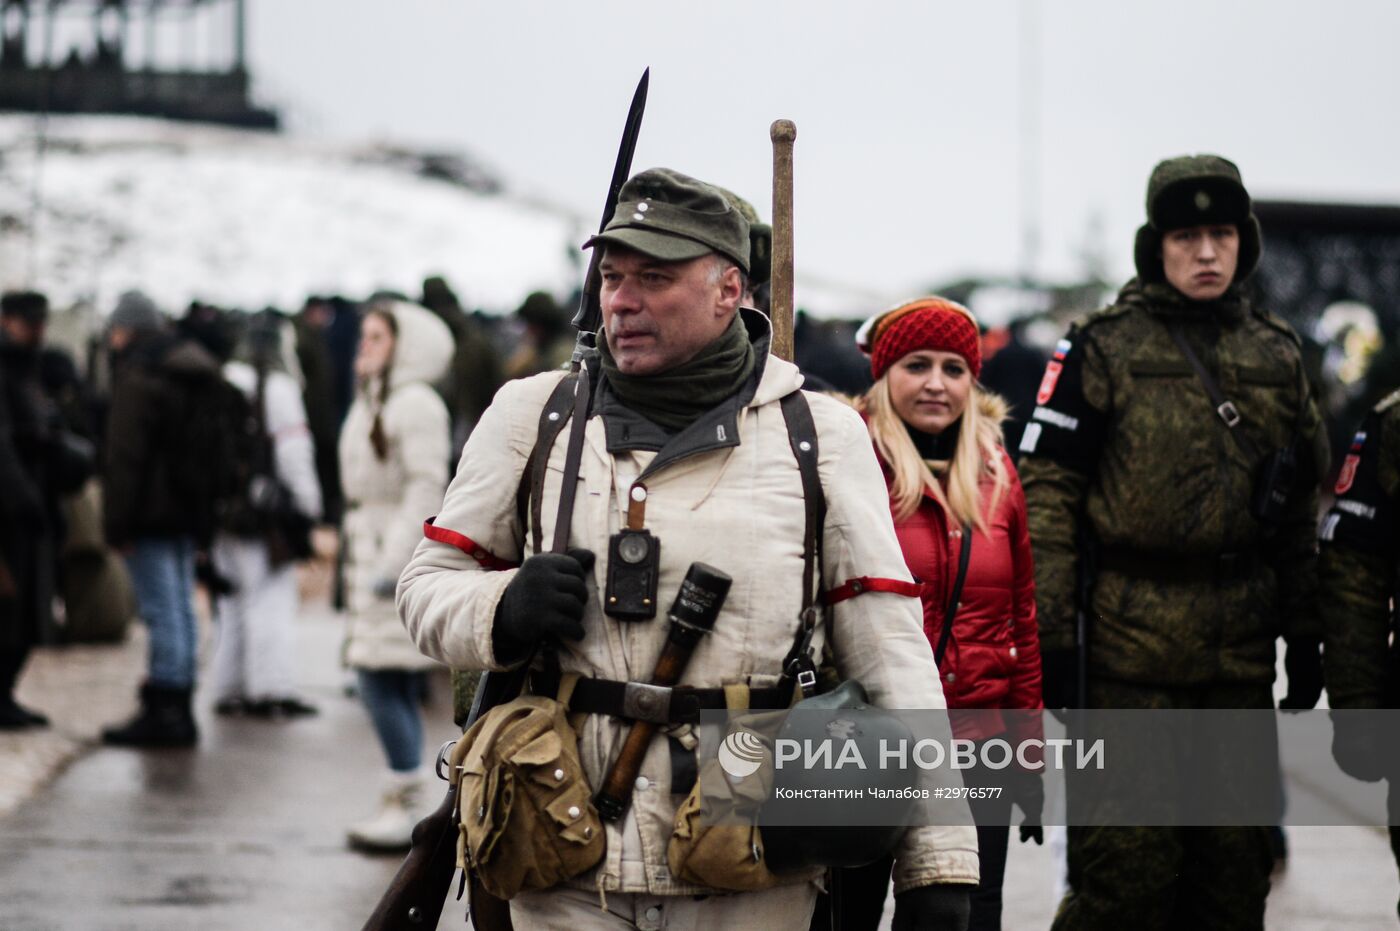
<point x="978" y="454"/>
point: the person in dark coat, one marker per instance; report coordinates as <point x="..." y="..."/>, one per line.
<point x="548" y="342"/>
<point x="475" y="374"/>
<point x="28" y="508"/>
<point x="1014" y="373"/>
<point x="148" y="516"/>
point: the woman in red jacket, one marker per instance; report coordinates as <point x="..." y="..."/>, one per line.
<point x="938" y="436"/>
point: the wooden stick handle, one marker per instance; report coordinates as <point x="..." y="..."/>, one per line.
<point x="784" y="134"/>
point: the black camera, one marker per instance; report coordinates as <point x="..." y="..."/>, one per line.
<point x="634" y="562"/>
<point x="1273" y="485"/>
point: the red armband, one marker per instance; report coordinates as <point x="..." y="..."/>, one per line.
<point x="853" y="587"/>
<point x="467" y="545"/>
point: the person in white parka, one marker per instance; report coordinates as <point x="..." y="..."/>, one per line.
<point x="394" y="450"/>
<point x="255" y="663"/>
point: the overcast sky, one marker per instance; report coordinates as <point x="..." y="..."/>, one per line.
<point x="916" y="121"/>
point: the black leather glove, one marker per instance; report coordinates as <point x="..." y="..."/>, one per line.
<point x="1356" y="747"/>
<point x="544" y="601"/>
<point x="1302" y="662"/>
<point x="940" y="907"/>
<point x="1028" y="792"/>
<point x="1059" y="678"/>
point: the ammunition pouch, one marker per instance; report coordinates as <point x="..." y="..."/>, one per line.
<point x="715" y="840"/>
<point x="526" y="817"/>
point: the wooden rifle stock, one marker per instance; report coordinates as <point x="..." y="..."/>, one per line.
<point x="416" y="895"/>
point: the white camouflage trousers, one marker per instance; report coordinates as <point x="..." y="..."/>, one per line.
<point x="255" y="656"/>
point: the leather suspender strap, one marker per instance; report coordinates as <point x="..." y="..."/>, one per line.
<point x="1227" y="412"/>
<point x="799" y="666"/>
<point x="802" y="437"/>
<point x="955" y="597"/>
<point x="636" y="506"/>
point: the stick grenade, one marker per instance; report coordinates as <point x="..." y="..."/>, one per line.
<point x="784" y="134"/>
<point x="692" y="616"/>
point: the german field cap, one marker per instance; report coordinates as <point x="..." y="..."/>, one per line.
<point x="672" y="217"/>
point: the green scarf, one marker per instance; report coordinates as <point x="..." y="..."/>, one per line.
<point x="673" y="399"/>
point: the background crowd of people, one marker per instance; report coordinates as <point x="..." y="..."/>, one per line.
<point x="202" y="449"/>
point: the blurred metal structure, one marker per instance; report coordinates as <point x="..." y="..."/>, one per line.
<point x="1318" y="254"/>
<point x="95" y="71"/>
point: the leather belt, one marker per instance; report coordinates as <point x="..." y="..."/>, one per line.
<point x="1184" y="568"/>
<point x="640" y="701"/>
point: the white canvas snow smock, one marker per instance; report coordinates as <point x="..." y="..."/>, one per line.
<point x="737" y="506"/>
<point x="387" y="500"/>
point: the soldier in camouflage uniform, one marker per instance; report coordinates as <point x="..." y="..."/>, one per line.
<point x="1140" y="508"/>
<point x="1359" y="573"/>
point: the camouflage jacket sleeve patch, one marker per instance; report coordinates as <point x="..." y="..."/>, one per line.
<point x="1065" y="428"/>
<point x="1363" y="516"/>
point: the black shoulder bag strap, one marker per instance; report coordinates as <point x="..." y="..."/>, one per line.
<point x="1224" y="409"/>
<point x="955" y="597"/>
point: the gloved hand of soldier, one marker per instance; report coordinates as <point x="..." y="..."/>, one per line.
<point x="1356" y="746"/>
<point x="1028" y="792"/>
<point x="1302" y="662"/>
<point x="545" y="600"/>
<point x="940" y="907"/>
<point x="1059" y="678"/>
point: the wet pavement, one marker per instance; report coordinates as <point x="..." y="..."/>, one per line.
<point x="244" y="832"/>
<point x="247" y="831"/>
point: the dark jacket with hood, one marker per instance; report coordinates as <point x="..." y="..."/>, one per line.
<point x="156" y="379"/>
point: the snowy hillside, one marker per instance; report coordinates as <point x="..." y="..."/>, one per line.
<point x="247" y="219"/>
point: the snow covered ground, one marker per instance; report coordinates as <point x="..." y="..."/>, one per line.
<point x="248" y="219"/>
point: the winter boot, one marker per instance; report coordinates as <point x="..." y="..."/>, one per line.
<point x="13" y="715"/>
<point x="163" y="721"/>
<point x="391" y="830"/>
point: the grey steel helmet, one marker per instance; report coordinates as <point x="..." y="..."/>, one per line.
<point x="792" y="846"/>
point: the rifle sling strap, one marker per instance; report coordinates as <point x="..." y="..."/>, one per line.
<point x="572" y="393"/>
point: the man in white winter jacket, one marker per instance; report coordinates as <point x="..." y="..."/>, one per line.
<point x="686" y="418"/>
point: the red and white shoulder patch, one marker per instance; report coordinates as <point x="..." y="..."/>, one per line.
<point x="1347" y="475"/>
